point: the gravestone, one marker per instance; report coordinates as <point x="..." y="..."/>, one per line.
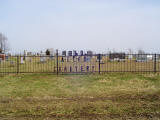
<point x="42" y="59"/>
<point x="75" y="53"/>
<point x="89" y="53"/>
<point x="88" y="58"/>
<point x="22" y="60"/>
<point x="81" y="53"/>
<point x="63" y="53"/>
<point x="69" y="53"/>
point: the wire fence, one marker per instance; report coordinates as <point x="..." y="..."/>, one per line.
<point x="98" y="63"/>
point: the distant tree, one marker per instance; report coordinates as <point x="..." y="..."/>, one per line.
<point x="130" y="51"/>
<point x="47" y="52"/>
<point x="140" y="51"/>
<point x="4" y="47"/>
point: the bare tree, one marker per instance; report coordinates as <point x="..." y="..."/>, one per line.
<point x="4" y="47"/>
<point x="130" y="51"/>
<point x="141" y="51"/>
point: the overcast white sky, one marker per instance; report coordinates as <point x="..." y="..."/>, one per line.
<point x="96" y="25"/>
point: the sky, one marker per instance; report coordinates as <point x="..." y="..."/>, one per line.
<point x="98" y="25"/>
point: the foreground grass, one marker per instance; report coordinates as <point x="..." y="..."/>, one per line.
<point x="109" y="96"/>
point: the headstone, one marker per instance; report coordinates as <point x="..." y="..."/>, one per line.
<point x="130" y="56"/>
<point x="42" y="59"/>
<point x="63" y="53"/>
<point x="141" y="58"/>
<point x="75" y="53"/>
<point x="69" y="53"/>
<point x="22" y="60"/>
<point x="29" y="53"/>
<point x="88" y="58"/>
<point x="89" y="53"/>
<point x="81" y="53"/>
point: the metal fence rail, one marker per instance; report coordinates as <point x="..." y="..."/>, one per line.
<point x="98" y="63"/>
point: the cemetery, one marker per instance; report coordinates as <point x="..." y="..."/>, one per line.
<point x="78" y="62"/>
<point x="52" y="94"/>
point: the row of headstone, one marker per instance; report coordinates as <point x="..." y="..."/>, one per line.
<point x="42" y="59"/>
<point x="23" y="59"/>
<point x="74" y="59"/>
<point x="74" y="53"/>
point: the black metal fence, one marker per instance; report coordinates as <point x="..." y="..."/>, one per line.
<point x="98" y="63"/>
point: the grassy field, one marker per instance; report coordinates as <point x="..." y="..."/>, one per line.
<point x="107" y="96"/>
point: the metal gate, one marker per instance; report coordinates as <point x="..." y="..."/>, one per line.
<point x="97" y="63"/>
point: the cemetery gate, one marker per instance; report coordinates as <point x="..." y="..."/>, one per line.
<point x="77" y="64"/>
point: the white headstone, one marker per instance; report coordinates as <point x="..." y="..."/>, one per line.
<point x="42" y="59"/>
<point x="22" y="60"/>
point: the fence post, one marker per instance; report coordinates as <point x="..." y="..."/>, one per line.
<point x="17" y="64"/>
<point x="57" y="60"/>
<point x="155" y="63"/>
<point x="99" y="63"/>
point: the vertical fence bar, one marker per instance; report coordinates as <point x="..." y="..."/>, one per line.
<point x="99" y="63"/>
<point x="57" y="60"/>
<point x="155" y="63"/>
<point x="17" y="64"/>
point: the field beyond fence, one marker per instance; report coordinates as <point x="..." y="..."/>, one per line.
<point x="98" y="63"/>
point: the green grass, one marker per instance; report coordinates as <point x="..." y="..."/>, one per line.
<point x="106" y="96"/>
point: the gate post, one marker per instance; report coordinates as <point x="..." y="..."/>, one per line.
<point x="99" y="63"/>
<point x="57" y="60"/>
<point x="17" y="64"/>
<point x="155" y="60"/>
